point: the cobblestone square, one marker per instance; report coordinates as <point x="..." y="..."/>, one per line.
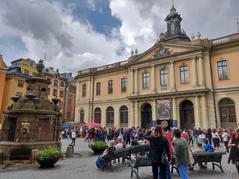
<point x="83" y="167"/>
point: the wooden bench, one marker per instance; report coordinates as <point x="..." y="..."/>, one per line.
<point x="206" y="157"/>
<point x="140" y="161"/>
<point x="126" y="153"/>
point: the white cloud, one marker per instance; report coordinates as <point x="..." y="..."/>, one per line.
<point x="47" y="27"/>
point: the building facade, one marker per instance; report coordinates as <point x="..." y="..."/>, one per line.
<point x="192" y="81"/>
<point x="2" y="84"/>
<point x="57" y="87"/>
<point x="70" y="97"/>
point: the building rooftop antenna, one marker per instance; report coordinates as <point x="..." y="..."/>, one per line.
<point x="172" y="3"/>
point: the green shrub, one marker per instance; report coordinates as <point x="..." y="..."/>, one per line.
<point x="98" y="145"/>
<point x="48" y="153"/>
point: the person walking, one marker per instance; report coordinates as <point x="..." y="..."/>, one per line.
<point x="73" y="137"/>
<point x="160" y="153"/>
<point x="225" y="138"/>
<point x="234" y="145"/>
<point x="181" y="153"/>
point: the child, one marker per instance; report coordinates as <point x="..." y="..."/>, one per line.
<point x="208" y="147"/>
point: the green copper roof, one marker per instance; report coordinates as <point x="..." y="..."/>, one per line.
<point x="173" y="13"/>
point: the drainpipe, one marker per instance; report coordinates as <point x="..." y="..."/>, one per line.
<point x="213" y="93"/>
<point x="93" y="94"/>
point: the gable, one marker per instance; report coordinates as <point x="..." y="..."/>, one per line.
<point x="163" y="50"/>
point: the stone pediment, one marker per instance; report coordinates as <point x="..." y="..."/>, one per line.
<point x="162" y="50"/>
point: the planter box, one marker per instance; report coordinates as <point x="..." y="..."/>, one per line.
<point x="47" y="162"/>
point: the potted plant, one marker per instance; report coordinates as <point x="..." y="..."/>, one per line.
<point x="98" y="147"/>
<point x="48" y="157"/>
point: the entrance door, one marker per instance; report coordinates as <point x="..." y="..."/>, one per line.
<point x="12" y="127"/>
<point x="146" y="116"/>
<point x="187" y="115"/>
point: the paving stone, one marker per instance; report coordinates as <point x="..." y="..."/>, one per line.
<point x="83" y="167"/>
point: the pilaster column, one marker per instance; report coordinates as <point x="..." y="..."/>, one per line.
<point x="154" y="110"/>
<point x="201" y="72"/>
<point x="103" y="116"/>
<point x="174" y="109"/>
<point x="153" y="82"/>
<point x="197" y="113"/>
<point x="204" y="112"/>
<point x="116" y="117"/>
<point x="195" y="76"/>
<point x="136" y="90"/>
<point x="172" y="81"/>
<point x="131" y="81"/>
<point x="132" y="117"/>
<point x="136" y="114"/>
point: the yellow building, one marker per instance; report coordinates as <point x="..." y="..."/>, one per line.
<point x="2" y="84"/>
<point x="192" y="81"/>
<point x="15" y="85"/>
<point x="15" y="81"/>
<point x="27" y="66"/>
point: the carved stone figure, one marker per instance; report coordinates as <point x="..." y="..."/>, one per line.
<point x="25" y="129"/>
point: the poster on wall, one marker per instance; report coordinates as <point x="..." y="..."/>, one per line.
<point x="164" y="109"/>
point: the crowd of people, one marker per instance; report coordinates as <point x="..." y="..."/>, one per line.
<point x="164" y="144"/>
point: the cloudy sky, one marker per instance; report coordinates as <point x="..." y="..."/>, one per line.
<point x="77" y="34"/>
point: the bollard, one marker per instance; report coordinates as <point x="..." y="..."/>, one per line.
<point x="1" y="157"/>
<point x="69" y="151"/>
<point x="34" y="155"/>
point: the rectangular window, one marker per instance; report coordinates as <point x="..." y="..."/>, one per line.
<point x="98" y="88"/>
<point x="55" y="92"/>
<point x="20" y="83"/>
<point x="49" y="91"/>
<point x="163" y="77"/>
<point x="123" y="84"/>
<point x="26" y="72"/>
<point x="19" y="94"/>
<point x="222" y="70"/>
<point x="145" y="80"/>
<point x="55" y="83"/>
<point x="184" y="74"/>
<point x="84" y="90"/>
<point x="110" y="86"/>
<point x="31" y="63"/>
<point x="62" y="84"/>
<point x="61" y="94"/>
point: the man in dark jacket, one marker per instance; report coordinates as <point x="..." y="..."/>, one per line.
<point x="158" y="146"/>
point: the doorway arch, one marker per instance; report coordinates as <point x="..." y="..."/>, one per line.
<point x="227" y="113"/>
<point x="187" y="115"/>
<point x="146" y="115"/>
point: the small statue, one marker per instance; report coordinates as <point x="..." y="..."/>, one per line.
<point x="25" y="129"/>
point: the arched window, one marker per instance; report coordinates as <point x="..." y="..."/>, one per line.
<point x="97" y="115"/>
<point x="123" y="116"/>
<point x="110" y="117"/>
<point x="82" y="115"/>
<point x="227" y="113"/>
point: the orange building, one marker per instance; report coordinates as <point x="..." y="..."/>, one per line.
<point x="2" y="84"/>
<point x="192" y="81"/>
